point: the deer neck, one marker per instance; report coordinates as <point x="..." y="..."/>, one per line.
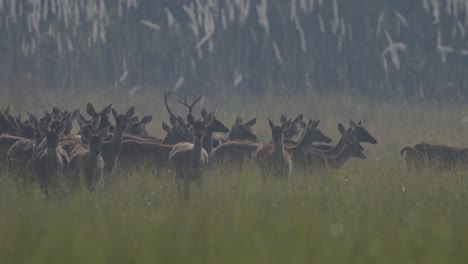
<point x="115" y="145"/>
<point x="208" y="141"/>
<point x="52" y="159"/>
<point x="278" y="147"/>
<point x="300" y="150"/>
<point x="91" y="158"/>
<point x="197" y="152"/>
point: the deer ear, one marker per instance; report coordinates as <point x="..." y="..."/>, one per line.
<point x="130" y="112"/>
<point x="90" y="110"/>
<point x="208" y="119"/>
<point x="7" y="110"/>
<point x="165" y="127"/>
<point x="286" y="126"/>
<point x="238" y="121"/>
<point x="251" y="123"/>
<point x="96" y="121"/>
<point x="114" y="113"/>
<point x="173" y="121"/>
<point x="147" y="119"/>
<point x="341" y="129"/>
<point x="190" y="119"/>
<point x="103" y="133"/>
<point x="204" y="113"/>
<point x="32" y="120"/>
<point x="351" y="123"/>
<point x="299" y="118"/>
<point x="181" y="122"/>
<point x="315" y="124"/>
<point x="360" y="123"/>
<point x="302" y="124"/>
<point x="42" y="130"/>
<point x="107" y="110"/>
<point x="271" y="124"/>
<point x="80" y="121"/>
<point x="283" y="118"/>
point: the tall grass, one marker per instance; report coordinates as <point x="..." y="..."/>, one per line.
<point x="372" y="210"/>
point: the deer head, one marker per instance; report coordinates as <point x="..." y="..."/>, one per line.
<point x="199" y="125"/>
<point x="277" y="132"/>
<point x="243" y="131"/>
<point x="361" y="134"/>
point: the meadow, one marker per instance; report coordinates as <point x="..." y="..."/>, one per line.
<point x="370" y="211"/>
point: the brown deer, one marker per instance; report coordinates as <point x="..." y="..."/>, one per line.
<point x="137" y="128"/>
<point x="188" y="159"/>
<point x="335" y="157"/>
<point x="135" y="154"/>
<point x="70" y="142"/>
<point x="275" y="160"/>
<point x="111" y="149"/>
<point x="20" y="155"/>
<point x="233" y="154"/>
<point x="240" y="131"/>
<point x="86" y="162"/>
<point x="311" y="135"/>
<point x="215" y="126"/>
<point x="358" y="131"/>
<point x="49" y="159"/>
<point x="179" y="123"/>
<point x="435" y="156"/>
<point x="104" y="121"/>
<point x="294" y="130"/>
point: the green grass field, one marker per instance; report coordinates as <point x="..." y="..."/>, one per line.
<point x="371" y="211"/>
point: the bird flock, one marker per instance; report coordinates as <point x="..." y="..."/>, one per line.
<point x="44" y="150"/>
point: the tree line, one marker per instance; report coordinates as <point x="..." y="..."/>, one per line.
<point x="374" y="48"/>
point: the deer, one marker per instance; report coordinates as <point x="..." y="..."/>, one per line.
<point x="358" y="131"/>
<point x="311" y="135"/>
<point x="275" y="159"/>
<point x="183" y="134"/>
<point x="68" y="143"/>
<point x="86" y="162"/>
<point x="294" y="130"/>
<point x="20" y="154"/>
<point x="188" y="159"/>
<point x="214" y="126"/>
<point x="240" y="131"/>
<point x="438" y="157"/>
<point x="335" y="157"/>
<point x="136" y="153"/>
<point x="137" y="128"/>
<point x="111" y="149"/>
<point x="103" y="116"/>
<point x="49" y="159"/>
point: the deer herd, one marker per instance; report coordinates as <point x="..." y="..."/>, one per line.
<point x="44" y="150"/>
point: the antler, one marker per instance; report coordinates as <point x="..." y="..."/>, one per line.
<point x="190" y="107"/>
<point x="166" y="95"/>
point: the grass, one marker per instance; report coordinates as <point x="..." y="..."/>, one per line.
<point x="371" y="211"/>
